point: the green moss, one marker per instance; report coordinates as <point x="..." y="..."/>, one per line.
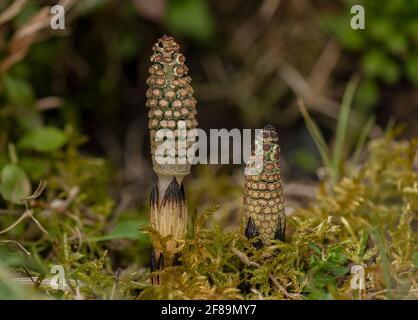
<point x="336" y="231"/>
<point x="365" y="219"/>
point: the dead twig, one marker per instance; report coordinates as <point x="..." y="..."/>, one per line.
<point x="48" y="103"/>
<point x="18" y="244"/>
<point x="29" y="33"/>
<point x="12" y="11"/>
<point x="28" y="213"/>
<point x="302" y="89"/>
<point x="21" y="218"/>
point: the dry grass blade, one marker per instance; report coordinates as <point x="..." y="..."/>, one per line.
<point x="316" y="135"/>
<point x="18" y="244"/>
<point x="22" y="217"/>
<point x="41" y="187"/>
<point x="28" y="212"/>
<point x="362" y="139"/>
<point x="12" y="11"/>
<point x="29" y="33"/>
<point x="342" y="124"/>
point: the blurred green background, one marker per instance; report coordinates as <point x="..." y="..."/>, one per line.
<point x="248" y="60"/>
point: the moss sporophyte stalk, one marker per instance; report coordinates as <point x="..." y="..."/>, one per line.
<point x="171" y="103"/>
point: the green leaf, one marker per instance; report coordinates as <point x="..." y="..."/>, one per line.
<point x="127" y="229"/>
<point x="14" y="184"/>
<point x="192" y="18"/>
<point x="28" y="117"/>
<point x="367" y="95"/>
<point x="322" y="279"/>
<point x="415" y="259"/>
<point x="411" y="27"/>
<point x="4" y="159"/>
<point x="11" y="257"/>
<point x="19" y="92"/>
<point x="411" y="67"/>
<point x="390" y="72"/>
<point x="37" y="168"/>
<point x="315" y="248"/>
<point x="21" y="97"/>
<point x="336" y="256"/>
<point x="336" y="269"/>
<point x="373" y="62"/>
<point x="377" y="64"/>
<point x="46" y="139"/>
<point x="382" y="29"/>
<point x="396" y="44"/>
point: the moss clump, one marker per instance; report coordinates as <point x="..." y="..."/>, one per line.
<point x="364" y="219"/>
